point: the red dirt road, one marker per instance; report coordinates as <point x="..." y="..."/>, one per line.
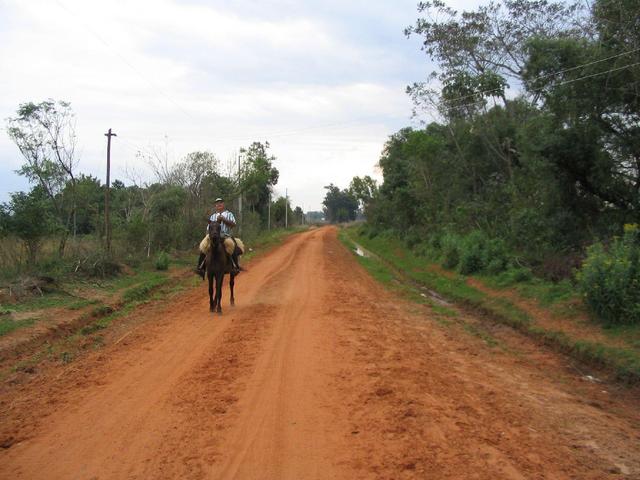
<point x="317" y="373"/>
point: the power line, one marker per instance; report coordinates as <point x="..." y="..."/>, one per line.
<point x="546" y="75"/>
<point x="124" y="60"/>
<point x="560" y="83"/>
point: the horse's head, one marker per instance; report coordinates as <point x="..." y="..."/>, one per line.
<point x="214" y="232"/>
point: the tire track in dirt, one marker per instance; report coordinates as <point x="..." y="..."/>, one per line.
<point x="318" y="373"/>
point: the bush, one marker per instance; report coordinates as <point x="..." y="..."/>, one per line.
<point x="98" y="265"/>
<point x="412" y="238"/>
<point x="472" y="257"/>
<point x="422" y="250"/>
<point x="162" y="261"/>
<point x="610" y="279"/>
<point x="450" y="251"/>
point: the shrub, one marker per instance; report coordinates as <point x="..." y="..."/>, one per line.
<point x="162" y="261"/>
<point x="496" y="265"/>
<point x="98" y="264"/>
<point x="610" y="279"/>
<point x="472" y="257"/>
<point x="422" y="250"/>
<point x="412" y="238"/>
<point x="450" y="251"/>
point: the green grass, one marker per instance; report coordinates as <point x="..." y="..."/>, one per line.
<point x="476" y="331"/>
<point x="444" y="311"/>
<point x="48" y="300"/>
<point x="625" y="362"/>
<point x="142" y="290"/>
<point x="8" y="325"/>
<point x="80" y="304"/>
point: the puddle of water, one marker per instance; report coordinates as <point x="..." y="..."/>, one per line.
<point x="436" y="298"/>
<point x="360" y="252"/>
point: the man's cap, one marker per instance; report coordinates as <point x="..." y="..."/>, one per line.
<point x="219" y="199"/>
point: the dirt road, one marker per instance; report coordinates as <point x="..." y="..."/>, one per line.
<point x="317" y="373"/>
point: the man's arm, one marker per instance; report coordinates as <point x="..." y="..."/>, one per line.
<point x="227" y="221"/>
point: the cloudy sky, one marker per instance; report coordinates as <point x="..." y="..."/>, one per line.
<point x="323" y="81"/>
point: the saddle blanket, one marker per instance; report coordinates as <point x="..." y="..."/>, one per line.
<point x="205" y="245"/>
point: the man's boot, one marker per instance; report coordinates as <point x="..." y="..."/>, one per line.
<point x="235" y="267"/>
<point x="200" y="268"/>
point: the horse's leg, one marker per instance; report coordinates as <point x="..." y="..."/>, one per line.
<point x="211" y="301"/>
<point x="232" y="282"/>
<point x="219" y="281"/>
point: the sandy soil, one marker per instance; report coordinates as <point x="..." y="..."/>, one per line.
<point x="317" y="373"/>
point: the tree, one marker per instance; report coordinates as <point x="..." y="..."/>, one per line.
<point x="590" y="87"/>
<point x="30" y="218"/>
<point x="278" y="209"/>
<point x="339" y="205"/>
<point x="479" y="52"/>
<point x="89" y="193"/>
<point x="167" y="225"/>
<point x="45" y="135"/>
<point x="298" y="216"/>
<point x="364" y="190"/>
<point x="258" y="176"/>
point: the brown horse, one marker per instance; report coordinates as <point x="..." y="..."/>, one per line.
<point x="218" y="264"/>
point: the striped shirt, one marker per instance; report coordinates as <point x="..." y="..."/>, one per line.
<point x="225" y="229"/>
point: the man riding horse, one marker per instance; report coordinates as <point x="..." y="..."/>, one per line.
<point x="227" y="222"/>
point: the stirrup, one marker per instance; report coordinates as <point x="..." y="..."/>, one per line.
<point x="200" y="272"/>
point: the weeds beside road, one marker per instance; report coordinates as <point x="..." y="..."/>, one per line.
<point x="552" y="313"/>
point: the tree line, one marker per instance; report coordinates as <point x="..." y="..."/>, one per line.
<point x="545" y="172"/>
<point x="147" y="217"/>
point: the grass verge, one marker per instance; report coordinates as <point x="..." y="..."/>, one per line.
<point x="401" y="263"/>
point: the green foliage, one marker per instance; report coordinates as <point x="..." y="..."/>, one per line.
<point x="30" y="218"/>
<point x="8" y="325"/>
<point x="339" y="205"/>
<point x="610" y="278"/>
<point x="365" y="191"/>
<point x="280" y="208"/>
<point x="526" y="181"/>
<point x="472" y="253"/>
<point x="258" y="176"/>
<point x="45" y="136"/>
<point x="140" y="292"/>
<point x="162" y="261"/>
<point x="394" y="269"/>
<point x="450" y="251"/>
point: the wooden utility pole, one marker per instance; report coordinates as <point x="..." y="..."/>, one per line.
<point x="269" y="213"/>
<point x="107" y="223"/>
<point x="240" y="198"/>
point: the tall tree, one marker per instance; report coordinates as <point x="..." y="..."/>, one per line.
<point x="479" y="52"/>
<point x="45" y="135"/>
<point x="30" y="219"/>
<point x="339" y="205"/>
<point x="258" y="176"/>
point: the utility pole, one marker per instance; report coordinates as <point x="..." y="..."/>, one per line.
<point x="240" y="198"/>
<point x="286" y="208"/>
<point x="269" y="213"/>
<point x="107" y="223"/>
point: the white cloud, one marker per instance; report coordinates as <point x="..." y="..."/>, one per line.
<point x="216" y="76"/>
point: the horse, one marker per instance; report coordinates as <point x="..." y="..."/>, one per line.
<point x="217" y="264"/>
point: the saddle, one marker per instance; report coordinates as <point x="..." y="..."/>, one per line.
<point x="231" y="245"/>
